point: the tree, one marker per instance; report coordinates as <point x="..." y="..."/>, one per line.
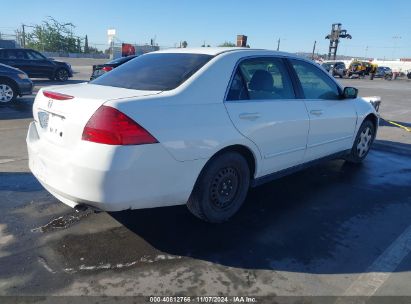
<point x="184" y="44"/>
<point x="227" y="44"/>
<point x="78" y="45"/>
<point x="93" y="50"/>
<point x="86" y="48"/>
<point x="52" y="36"/>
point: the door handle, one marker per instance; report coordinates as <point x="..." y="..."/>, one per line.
<point x="249" y="116"/>
<point x="316" y="112"/>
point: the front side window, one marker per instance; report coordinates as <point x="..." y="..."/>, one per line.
<point x="35" y="56"/>
<point x="261" y="78"/>
<point x="315" y="83"/>
<point x="154" y="72"/>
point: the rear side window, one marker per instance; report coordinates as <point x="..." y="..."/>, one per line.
<point x="315" y="83"/>
<point x="261" y="78"/>
<point x="10" y="54"/>
<point x="17" y="54"/>
<point x="154" y="72"/>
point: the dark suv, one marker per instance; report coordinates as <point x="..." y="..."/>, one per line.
<point x="35" y="64"/>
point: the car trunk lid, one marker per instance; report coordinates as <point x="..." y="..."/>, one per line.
<point x="61" y="121"/>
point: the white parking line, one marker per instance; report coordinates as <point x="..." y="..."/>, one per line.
<point x="9" y="160"/>
<point x="369" y="282"/>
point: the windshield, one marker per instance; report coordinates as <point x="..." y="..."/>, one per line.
<point x="154" y="72"/>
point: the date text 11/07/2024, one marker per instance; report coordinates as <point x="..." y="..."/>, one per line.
<point x="203" y="299"/>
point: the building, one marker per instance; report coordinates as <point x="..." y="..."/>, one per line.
<point x="8" y="44"/>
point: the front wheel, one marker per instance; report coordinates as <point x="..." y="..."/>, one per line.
<point x="221" y="188"/>
<point x="363" y="141"/>
<point x="8" y="92"/>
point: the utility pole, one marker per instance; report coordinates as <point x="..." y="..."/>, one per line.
<point x="24" y="37"/>
<point x="395" y="38"/>
<point x="315" y="42"/>
<point x="278" y="44"/>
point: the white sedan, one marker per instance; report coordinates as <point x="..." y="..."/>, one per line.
<point x="195" y="127"/>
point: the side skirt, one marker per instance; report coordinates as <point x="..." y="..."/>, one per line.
<point x="276" y="175"/>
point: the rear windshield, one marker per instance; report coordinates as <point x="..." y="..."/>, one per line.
<point x="121" y="59"/>
<point x="154" y="72"/>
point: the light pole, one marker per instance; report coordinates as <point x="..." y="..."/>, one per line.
<point x="395" y="38"/>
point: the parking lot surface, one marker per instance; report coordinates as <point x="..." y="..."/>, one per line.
<point x="334" y="229"/>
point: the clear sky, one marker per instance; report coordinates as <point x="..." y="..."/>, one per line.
<point x="372" y="23"/>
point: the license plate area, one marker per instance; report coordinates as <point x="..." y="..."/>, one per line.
<point x="52" y="125"/>
<point x="55" y="125"/>
<point x="43" y="119"/>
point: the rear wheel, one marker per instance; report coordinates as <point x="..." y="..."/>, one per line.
<point x="8" y="92"/>
<point x="221" y="188"/>
<point x="362" y="143"/>
<point x="62" y="75"/>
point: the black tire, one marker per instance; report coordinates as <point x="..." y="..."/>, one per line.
<point x="62" y="75"/>
<point x="361" y="146"/>
<point x="221" y="188"/>
<point x="6" y="87"/>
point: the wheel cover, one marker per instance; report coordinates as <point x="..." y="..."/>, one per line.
<point x="364" y="142"/>
<point x="63" y="75"/>
<point x="224" y="187"/>
<point x="6" y="93"/>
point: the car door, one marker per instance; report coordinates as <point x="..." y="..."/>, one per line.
<point x="3" y="56"/>
<point x="332" y="119"/>
<point x="22" y="61"/>
<point x="41" y="66"/>
<point x="262" y="105"/>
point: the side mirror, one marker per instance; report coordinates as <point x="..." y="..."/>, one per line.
<point x="350" y="93"/>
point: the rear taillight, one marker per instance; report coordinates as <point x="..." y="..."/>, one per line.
<point x="107" y="68"/>
<point x="111" y="127"/>
<point x="57" y="96"/>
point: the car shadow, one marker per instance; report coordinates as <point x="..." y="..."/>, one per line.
<point x="21" y="108"/>
<point x="289" y="224"/>
<point x="18" y="181"/>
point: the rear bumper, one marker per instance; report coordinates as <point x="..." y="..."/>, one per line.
<point x="111" y="178"/>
